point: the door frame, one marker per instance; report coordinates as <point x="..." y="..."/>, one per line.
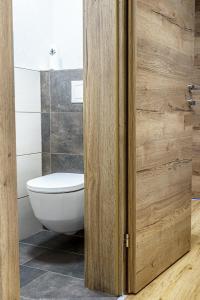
<point x="131" y="205"/>
<point x="9" y="249"/>
<point x="105" y="258"/>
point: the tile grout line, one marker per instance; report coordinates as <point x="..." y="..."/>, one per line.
<point x="65" y="112"/>
<point x="27" y="154"/>
<point x="28" y="112"/>
<point x="48" y="271"/>
<point x="33" y="279"/>
<point x="49" y="231"/>
<point x="65" y="153"/>
<point x="18" y="198"/>
<point x="52" y="249"/>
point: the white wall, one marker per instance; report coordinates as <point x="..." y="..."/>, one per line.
<point x="32" y="33"/>
<point x="67" y="35"/>
<point x="39" y="24"/>
<point x="28" y="143"/>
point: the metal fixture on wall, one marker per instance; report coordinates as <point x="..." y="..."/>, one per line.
<point x="191" y="89"/>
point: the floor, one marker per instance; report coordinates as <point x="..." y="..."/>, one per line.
<point x="182" y="280"/>
<point x="52" y="267"/>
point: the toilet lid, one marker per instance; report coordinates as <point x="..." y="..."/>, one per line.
<point x="57" y="183"/>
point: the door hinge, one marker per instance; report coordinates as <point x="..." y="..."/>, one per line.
<point x="127" y="240"/>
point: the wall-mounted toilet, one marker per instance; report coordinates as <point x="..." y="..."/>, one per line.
<point x="58" y="201"/>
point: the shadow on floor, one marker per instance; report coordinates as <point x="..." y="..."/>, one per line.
<point x="52" y="267"/>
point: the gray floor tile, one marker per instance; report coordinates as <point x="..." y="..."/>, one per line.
<point x="28" y="274"/>
<point x="60" y="262"/>
<point x="55" y="286"/>
<point x="80" y="233"/>
<point x="90" y="298"/>
<point x="67" y="243"/>
<point x="41" y="238"/>
<point x="74" y="298"/>
<point x="28" y="252"/>
<point x="52" y="240"/>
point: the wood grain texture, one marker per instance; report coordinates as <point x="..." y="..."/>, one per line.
<point x="104" y="136"/>
<point x="182" y="280"/>
<point x="160" y="174"/>
<point x="197" y="33"/>
<point x="196" y="109"/>
<point x="196" y="138"/>
<point x="9" y="260"/>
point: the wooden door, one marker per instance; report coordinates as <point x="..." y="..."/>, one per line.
<point x="196" y="109"/>
<point x="9" y="260"/>
<point x="160" y="60"/>
<point x="105" y="144"/>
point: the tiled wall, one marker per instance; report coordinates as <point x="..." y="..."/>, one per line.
<point x="62" y="123"/>
<point x="28" y="143"/>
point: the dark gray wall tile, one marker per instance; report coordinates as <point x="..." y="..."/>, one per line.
<point x="46" y="163"/>
<point x="67" y="163"/>
<point x="45" y="117"/>
<point x="67" y="132"/>
<point x="62" y="123"/>
<point x="45" y="91"/>
<point x="61" y="90"/>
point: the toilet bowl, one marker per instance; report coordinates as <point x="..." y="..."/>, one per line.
<point x="58" y="201"/>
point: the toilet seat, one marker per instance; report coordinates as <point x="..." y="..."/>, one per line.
<point x="57" y="183"/>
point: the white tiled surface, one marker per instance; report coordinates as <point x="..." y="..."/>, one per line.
<point x="77" y="91"/>
<point x="28" y="142"/>
<point x="28" y="133"/>
<point x="28" y="224"/>
<point x="28" y="167"/>
<point x="27" y="91"/>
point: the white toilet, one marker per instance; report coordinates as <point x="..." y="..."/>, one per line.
<point x="58" y="201"/>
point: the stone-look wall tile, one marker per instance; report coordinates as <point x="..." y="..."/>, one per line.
<point x="45" y="91"/>
<point x="61" y="90"/>
<point x="45" y="132"/>
<point x="46" y="163"/>
<point x="67" y="132"/>
<point x="62" y="123"/>
<point x="67" y="163"/>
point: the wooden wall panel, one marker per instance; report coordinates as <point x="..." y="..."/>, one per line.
<point x="9" y="260"/>
<point x="162" y="40"/>
<point x="104" y="140"/>
<point x="196" y="108"/>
